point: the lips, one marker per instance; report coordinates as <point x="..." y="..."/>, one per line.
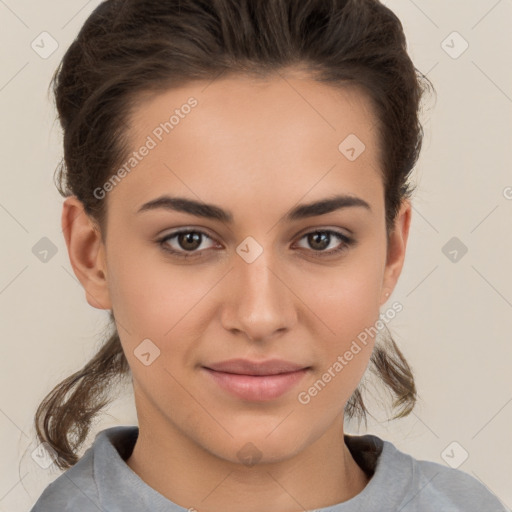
<point x="247" y="367"/>
<point x="256" y="381"/>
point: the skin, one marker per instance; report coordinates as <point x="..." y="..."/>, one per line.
<point x="257" y="149"/>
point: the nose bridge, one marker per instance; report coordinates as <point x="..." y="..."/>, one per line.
<point x="261" y="301"/>
<point x="259" y="280"/>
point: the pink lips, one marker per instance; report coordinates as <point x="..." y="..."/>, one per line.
<point x="256" y="381"/>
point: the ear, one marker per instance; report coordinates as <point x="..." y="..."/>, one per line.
<point x="396" y="250"/>
<point x="86" y="252"/>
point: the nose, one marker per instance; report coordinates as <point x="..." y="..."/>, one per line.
<point x="260" y="302"/>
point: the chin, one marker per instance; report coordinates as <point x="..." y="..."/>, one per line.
<point x="256" y="446"/>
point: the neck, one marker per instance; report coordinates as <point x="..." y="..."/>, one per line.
<point x="174" y="465"/>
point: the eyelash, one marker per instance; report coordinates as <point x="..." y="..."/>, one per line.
<point x="347" y="243"/>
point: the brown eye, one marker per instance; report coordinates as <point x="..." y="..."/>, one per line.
<point x="189" y="240"/>
<point x="318" y="241"/>
<point x="185" y="243"/>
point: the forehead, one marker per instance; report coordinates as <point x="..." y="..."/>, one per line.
<point x="273" y="138"/>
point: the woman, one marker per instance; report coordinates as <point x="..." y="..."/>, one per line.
<point x="236" y="175"/>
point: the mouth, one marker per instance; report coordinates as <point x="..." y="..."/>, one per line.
<point x="256" y="381"/>
<point x="259" y="368"/>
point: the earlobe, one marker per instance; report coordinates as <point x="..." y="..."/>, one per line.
<point x="86" y="252"/>
<point x="396" y="249"/>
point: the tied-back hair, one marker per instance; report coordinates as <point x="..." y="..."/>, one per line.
<point x="129" y="48"/>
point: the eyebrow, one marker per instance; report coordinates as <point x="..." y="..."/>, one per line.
<point x="210" y="211"/>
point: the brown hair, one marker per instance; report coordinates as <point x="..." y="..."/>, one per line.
<point x="128" y="48"/>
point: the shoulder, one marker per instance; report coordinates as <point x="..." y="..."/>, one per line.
<point x="433" y="486"/>
<point x="87" y="486"/>
<point x="74" y="489"/>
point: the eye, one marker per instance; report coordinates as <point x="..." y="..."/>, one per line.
<point x="187" y="243"/>
<point x="320" y="240"/>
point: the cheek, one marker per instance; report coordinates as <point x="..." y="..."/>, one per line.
<point x="150" y="298"/>
<point x="346" y="299"/>
<point x="161" y="302"/>
<point x="346" y="313"/>
<point x="346" y="307"/>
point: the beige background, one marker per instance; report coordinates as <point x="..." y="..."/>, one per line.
<point x="457" y="318"/>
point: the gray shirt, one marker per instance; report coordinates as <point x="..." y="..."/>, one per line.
<point x="102" y="481"/>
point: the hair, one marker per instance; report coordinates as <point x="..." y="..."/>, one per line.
<point x="130" y="48"/>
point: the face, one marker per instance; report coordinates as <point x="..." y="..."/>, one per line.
<point x="257" y="275"/>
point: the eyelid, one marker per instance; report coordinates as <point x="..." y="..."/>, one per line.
<point x="173" y="234"/>
<point x="331" y="229"/>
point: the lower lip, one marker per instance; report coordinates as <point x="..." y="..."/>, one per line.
<point x="257" y="388"/>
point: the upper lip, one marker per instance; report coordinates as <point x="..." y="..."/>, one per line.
<point x="247" y="367"/>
